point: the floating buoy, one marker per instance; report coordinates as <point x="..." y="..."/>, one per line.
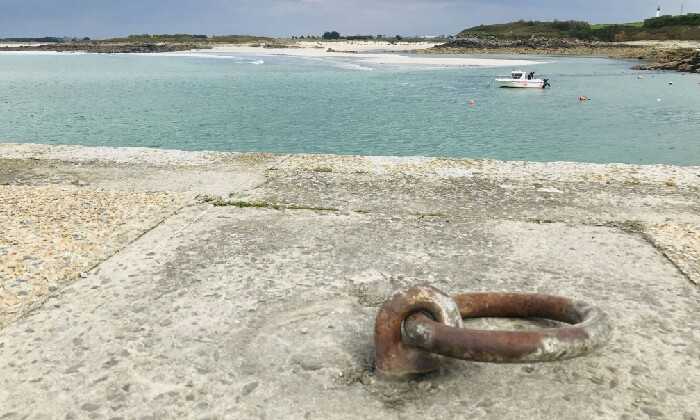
<point x="670" y="83"/>
<point x="584" y="98"/>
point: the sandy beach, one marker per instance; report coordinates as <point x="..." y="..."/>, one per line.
<point x="360" y="52"/>
<point x="366" y="52"/>
<point x="367" y="46"/>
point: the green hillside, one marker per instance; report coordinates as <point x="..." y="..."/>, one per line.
<point x="596" y="26"/>
<point x="526" y="29"/>
<point x="685" y="27"/>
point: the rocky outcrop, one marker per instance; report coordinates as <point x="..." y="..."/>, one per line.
<point x="675" y="59"/>
<point x="532" y="43"/>
<point x="683" y="60"/>
<point x="539" y="45"/>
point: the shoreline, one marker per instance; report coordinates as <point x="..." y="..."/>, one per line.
<point x="366" y="53"/>
<point x="683" y="56"/>
<point x="368" y="57"/>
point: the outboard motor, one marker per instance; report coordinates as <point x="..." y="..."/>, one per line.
<point x="546" y="84"/>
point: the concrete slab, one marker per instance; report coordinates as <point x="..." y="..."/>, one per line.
<point x="681" y="244"/>
<point x="260" y="302"/>
<point x="480" y="196"/>
<point x="49" y="236"/>
<point x="258" y="313"/>
<point x="111" y="176"/>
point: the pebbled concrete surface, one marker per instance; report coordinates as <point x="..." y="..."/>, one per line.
<point x="50" y="236"/>
<point x="256" y="312"/>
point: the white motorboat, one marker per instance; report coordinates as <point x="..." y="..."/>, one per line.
<point x="521" y="79"/>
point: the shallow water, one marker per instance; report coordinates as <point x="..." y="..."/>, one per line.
<point x="345" y="106"/>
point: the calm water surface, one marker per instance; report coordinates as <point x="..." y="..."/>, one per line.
<point x="286" y="104"/>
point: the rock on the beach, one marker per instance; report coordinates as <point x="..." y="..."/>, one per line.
<point x="683" y="60"/>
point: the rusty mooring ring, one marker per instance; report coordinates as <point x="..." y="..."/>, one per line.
<point x="408" y="337"/>
<point x="393" y="355"/>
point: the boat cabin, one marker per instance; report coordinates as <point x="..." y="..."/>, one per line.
<point x="521" y="79"/>
<point x="521" y="75"/>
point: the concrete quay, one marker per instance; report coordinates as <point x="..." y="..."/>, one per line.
<point x="143" y="283"/>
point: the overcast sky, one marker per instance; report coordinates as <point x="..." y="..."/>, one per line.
<point x="102" y="18"/>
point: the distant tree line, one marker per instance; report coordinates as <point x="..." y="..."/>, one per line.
<point x="359" y="37"/>
<point x="332" y="35"/>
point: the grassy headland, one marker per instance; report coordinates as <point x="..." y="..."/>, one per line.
<point x="582" y="38"/>
<point x="684" y="27"/>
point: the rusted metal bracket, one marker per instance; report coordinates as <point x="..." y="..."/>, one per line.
<point x="416" y="327"/>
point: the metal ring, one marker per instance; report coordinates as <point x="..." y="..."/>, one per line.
<point x="588" y="329"/>
<point x="395" y="359"/>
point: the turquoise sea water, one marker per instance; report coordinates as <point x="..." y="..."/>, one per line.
<point x="287" y="104"/>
